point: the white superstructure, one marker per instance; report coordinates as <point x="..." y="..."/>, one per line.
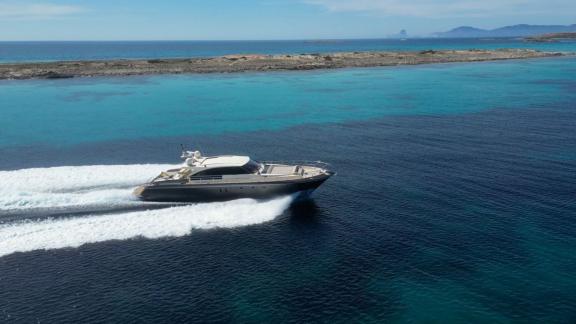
<point x="195" y="159"/>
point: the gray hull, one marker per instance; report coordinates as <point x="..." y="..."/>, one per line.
<point x="228" y="191"/>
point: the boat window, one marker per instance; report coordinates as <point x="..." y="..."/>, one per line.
<point x="221" y="171"/>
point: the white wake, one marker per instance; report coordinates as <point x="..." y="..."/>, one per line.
<point x="109" y="185"/>
<point x="151" y="224"/>
<point x="67" y="187"/>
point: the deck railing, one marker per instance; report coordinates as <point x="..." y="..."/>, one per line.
<point x="318" y="164"/>
<point x="206" y="177"/>
<point x="232" y="179"/>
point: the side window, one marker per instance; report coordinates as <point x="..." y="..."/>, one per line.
<point x="221" y="171"/>
<point x="234" y="170"/>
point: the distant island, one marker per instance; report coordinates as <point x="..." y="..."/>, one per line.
<point x="507" y="31"/>
<point x="256" y="62"/>
<point x="552" y="37"/>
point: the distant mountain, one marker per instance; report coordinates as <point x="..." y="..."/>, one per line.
<point x="508" y="31"/>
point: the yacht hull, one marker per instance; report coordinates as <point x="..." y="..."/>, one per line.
<point x="228" y="191"/>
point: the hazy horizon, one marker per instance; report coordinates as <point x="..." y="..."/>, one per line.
<point x="220" y="20"/>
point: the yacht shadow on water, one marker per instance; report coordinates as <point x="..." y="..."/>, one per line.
<point x="304" y="212"/>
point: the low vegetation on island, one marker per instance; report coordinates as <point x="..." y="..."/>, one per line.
<point x="244" y="63"/>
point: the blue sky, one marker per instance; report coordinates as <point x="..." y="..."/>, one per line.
<point x="263" y="19"/>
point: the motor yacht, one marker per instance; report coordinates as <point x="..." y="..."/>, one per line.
<point x="229" y="177"/>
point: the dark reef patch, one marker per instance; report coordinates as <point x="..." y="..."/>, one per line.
<point x="94" y="95"/>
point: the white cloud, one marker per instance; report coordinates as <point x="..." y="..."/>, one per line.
<point x="449" y="8"/>
<point x="13" y="10"/>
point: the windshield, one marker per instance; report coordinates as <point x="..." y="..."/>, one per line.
<point x="252" y="166"/>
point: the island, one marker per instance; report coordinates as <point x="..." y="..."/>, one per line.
<point x="552" y="37"/>
<point x="255" y="62"/>
<point x="521" y="30"/>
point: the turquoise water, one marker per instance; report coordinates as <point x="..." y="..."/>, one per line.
<point x="75" y="111"/>
<point x="454" y="201"/>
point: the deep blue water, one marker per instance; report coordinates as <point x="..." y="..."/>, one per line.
<point x="454" y="201"/>
<point x="55" y="51"/>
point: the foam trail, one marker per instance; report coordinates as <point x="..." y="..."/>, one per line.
<point x="73" y="186"/>
<point x="27" y="200"/>
<point x="151" y="224"/>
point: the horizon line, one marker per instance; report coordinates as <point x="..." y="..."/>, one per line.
<point x="254" y="40"/>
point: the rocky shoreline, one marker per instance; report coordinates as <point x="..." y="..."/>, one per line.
<point x="245" y="63"/>
<point x="550" y="38"/>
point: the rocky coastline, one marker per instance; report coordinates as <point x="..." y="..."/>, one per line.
<point x="550" y="38"/>
<point x="255" y="62"/>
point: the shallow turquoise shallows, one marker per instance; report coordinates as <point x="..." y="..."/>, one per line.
<point x="67" y="112"/>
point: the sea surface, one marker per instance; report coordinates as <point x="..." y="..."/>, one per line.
<point x="454" y="202"/>
<point x="102" y="50"/>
